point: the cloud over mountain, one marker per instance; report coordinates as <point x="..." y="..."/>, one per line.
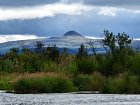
<point x="42" y="11"/>
<point x="54" y="17"/>
<point x="5" y="38"/>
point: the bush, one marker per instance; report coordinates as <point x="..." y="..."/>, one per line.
<point x="89" y="82"/>
<point x="44" y="85"/>
<point x="127" y="84"/>
<point x="105" y="66"/>
<point x="5" y="85"/>
<point x="83" y="82"/>
<point x="135" y="69"/>
<point x="9" y="65"/>
<point x="86" y="66"/>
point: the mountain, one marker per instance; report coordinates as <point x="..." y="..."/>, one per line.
<point x="72" y="33"/>
<point x="70" y="40"/>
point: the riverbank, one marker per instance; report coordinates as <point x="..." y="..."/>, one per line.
<point x="53" y="82"/>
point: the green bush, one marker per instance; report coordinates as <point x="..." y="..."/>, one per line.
<point x="89" y="82"/>
<point x="105" y="66"/>
<point x="127" y="84"/>
<point x="135" y="68"/>
<point x="9" y="65"/>
<point x="5" y="85"/>
<point x="82" y="82"/>
<point x="44" y="85"/>
<point x="86" y="65"/>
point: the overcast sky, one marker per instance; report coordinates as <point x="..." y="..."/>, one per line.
<point x="21" y="19"/>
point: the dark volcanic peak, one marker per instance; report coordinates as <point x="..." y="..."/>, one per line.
<point x="72" y="33"/>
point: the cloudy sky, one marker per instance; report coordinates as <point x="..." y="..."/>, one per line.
<point x="22" y="19"/>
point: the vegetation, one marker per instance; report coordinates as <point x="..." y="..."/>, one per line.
<point x="48" y="84"/>
<point x="48" y="70"/>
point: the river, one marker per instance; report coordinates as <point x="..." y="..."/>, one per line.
<point x="68" y="99"/>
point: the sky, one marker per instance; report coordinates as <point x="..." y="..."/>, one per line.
<point x="29" y="19"/>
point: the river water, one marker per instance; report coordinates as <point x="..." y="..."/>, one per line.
<point x="68" y="99"/>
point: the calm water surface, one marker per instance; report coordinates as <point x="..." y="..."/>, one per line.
<point x="68" y="99"/>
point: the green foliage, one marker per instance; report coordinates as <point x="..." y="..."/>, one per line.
<point x="9" y="65"/>
<point x="110" y="41"/>
<point x="31" y="62"/>
<point x="39" y="45"/>
<point x="117" y="43"/>
<point x="14" y="50"/>
<point x="135" y="65"/>
<point x="82" y="52"/>
<point x="86" y="66"/>
<point x="89" y="82"/>
<point x="6" y="85"/>
<point x="82" y="82"/>
<point x="52" y="53"/>
<point x="105" y="66"/>
<point x="126" y="84"/>
<point x="119" y="51"/>
<point x="123" y="41"/>
<point x="44" y="85"/>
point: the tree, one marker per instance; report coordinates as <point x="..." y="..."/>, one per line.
<point x="82" y="52"/>
<point x="26" y="50"/>
<point x="52" y="53"/>
<point x="117" y="43"/>
<point x="39" y="47"/>
<point x="14" y="50"/>
<point x="120" y="49"/>
<point x="92" y="46"/>
<point x="123" y="41"/>
<point x="110" y="41"/>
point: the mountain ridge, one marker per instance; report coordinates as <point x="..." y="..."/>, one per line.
<point x="70" y="39"/>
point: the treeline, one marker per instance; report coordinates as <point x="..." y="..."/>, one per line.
<point x="116" y="71"/>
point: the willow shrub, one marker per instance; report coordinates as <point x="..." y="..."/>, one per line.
<point x="92" y="82"/>
<point x="86" y="65"/>
<point x="135" y="67"/>
<point x="44" y="84"/>
<point x="126" y="84"/>
<point x="6" y="85"/>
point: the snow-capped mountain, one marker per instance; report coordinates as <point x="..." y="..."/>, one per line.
<point x="70" y="40"/>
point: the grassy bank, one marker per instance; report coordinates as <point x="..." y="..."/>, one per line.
<point x="53" y="82"/>
<point x="44" y="84"/>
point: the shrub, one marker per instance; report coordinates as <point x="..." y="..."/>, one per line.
<point x="105" y="66"/>
<point x="127" y="84"/>
<point x="86" y="66"/>
<point x="82" y="82"/>
<point x="9" y="65"/>
<point x="44" y="85"/>
<point x="5" y="85"/>
<point x="89" y="82"/>
<point x="135" y="68"/>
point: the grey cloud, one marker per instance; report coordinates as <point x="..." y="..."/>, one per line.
<point x="129" y="4"/>
<point x="86" y="25"/>
<point x="134" y="4"/>
<point x="12" y="3"/>
<point x="113" y="2"/>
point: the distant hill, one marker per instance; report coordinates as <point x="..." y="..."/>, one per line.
<point x="70" y="40"/>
